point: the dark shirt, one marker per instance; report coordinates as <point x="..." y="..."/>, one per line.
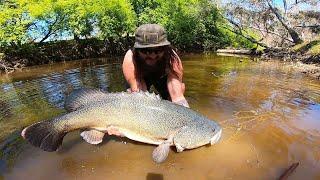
<point x="155" y="75"/>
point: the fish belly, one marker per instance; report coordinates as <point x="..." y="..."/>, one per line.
<point x="130" y="134"/>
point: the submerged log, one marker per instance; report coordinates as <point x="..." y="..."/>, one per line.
<point x="235" y="51"/>
<point x="234" y="55"/>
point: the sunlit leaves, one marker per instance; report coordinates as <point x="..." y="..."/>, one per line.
<point x="116" y="19"/>
<point x="23" y="21"/>
<point x="189" y="23"/>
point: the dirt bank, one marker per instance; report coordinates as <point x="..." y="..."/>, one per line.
<point x="13" y="58"/>
<point x="306" y="63"/>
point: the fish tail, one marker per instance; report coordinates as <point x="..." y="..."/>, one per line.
<point x="44" y="136"/>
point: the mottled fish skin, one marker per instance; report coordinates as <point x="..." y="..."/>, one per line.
<point x="82" y="97"/>
<point x="139" y="116"/>
<point x="147" y="115"/>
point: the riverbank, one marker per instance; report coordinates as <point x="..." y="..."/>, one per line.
<point x="15" y="58"/>
<point x="305" y="63"/>
<point x="306" y="56"/>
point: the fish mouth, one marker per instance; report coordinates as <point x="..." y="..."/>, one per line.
<point x="216" y="137"/>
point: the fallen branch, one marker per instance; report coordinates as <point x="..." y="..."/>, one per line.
<point x="239" y="31"/>
<point x="11" y="67"/>
<point x="235" y="51"/>
<point x="7" y="69"/>
<point x="308" y="26"/>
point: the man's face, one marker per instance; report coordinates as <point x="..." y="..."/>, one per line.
<point x="151" y="55"/>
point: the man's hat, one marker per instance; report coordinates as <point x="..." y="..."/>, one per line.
<point x="150" y="35"/>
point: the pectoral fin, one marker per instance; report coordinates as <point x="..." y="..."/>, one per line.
<point x="179" y="147"/>
<point x="160" y="153"/>
<point x="92" y="136"/>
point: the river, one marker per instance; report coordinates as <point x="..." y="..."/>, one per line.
<point x="270" y="115"/>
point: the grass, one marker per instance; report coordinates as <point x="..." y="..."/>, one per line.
<point x="315" y="49"/>
<point x="311" y="47"/>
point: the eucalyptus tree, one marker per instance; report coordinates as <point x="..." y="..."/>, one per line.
<point x="277" y="22"/>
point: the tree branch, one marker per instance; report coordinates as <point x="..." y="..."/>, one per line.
<point x="51" y="27"/>
<point x="239" y="32"/>
<point x="294" y="35"/>
<point x="271" y="32"/>
<point x="308" y="26"/>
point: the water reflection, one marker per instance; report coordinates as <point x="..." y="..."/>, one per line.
<point x="269" y="113"/>
<point x="73" y="78"/>
<point x="41" y="96"/>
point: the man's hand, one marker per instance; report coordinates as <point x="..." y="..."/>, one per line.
<point x="182" y="102"/>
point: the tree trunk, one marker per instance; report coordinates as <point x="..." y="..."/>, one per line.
<point x="294" y="35"/>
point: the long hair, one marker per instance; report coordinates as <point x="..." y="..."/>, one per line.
<point x="171" y="58"/>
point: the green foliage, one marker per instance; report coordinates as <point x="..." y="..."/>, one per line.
<point x="13" y="23"/>
<point x="25" y="21"/>
<point x="116" y="19"/>
<point x="238" y="41"/>
<point x="308" y="47"/>
<point x="191" y="24"/>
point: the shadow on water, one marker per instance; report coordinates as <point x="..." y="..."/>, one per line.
<point x="154" y="176"/>
<point x="72" y="142"/>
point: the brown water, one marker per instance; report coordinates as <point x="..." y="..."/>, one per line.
<point x="270" y="117"/>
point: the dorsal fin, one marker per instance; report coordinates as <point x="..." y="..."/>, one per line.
<point x="149" y="95"/>
<point x="82" y="97"/>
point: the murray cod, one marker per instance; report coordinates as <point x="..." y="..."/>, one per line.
<point x="141" y="116"/>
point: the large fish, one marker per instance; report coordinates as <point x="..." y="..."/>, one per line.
<point x="142" y="117"/>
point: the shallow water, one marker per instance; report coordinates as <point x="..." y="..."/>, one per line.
<point x="269" y="114"/>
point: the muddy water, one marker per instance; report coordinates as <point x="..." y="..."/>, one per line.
<point x="270" y="117"/>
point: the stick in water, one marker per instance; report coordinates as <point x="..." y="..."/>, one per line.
<point x="289" y="171"/>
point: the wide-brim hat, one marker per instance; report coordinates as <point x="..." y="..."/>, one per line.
<point x="150" y="35"/>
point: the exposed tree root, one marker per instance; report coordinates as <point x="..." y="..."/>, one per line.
<point x="10" y="67"/>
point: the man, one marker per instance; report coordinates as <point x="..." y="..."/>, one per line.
<point x="152" y="61"/>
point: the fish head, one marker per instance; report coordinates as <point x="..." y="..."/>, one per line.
<point x="217" y="131"/>
<point x="198" y="134"/>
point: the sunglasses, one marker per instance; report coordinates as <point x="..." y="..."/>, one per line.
<point x="151" y="50"/>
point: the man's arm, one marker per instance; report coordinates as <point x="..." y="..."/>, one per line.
<point x="129" y="72"/>
<point x="176" y="90"/>
<point x="175" y="85"/>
